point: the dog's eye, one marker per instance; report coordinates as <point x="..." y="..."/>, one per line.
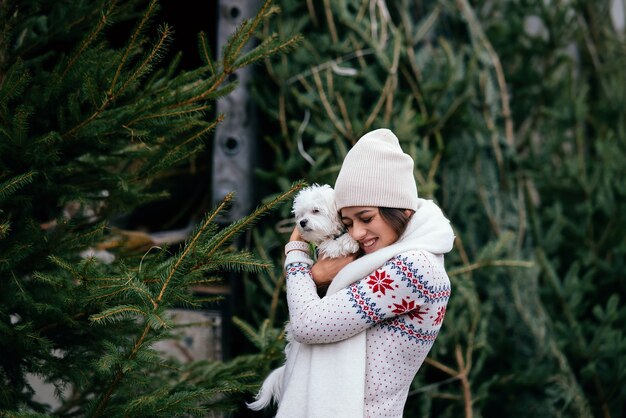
<point x="316" y="211"/>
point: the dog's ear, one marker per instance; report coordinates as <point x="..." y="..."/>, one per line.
<point x="297" y="200"/>
<point x="329" y="202"/>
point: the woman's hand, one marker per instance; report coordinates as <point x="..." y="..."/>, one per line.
<point x="325" y="269"/>
<point x="295" y="235"/>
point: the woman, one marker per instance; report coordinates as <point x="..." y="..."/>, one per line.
<point x="354" y="352"/>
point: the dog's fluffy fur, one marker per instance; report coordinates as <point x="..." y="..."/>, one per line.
<point x="318" y="221"/>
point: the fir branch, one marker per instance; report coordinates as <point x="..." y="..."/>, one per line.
<point x="331" y="64"/>
<point x="165" y="33"/>
<point x="155" y="321"/>
<point x="131" y="45"/>
<point x="236" y="227"/>
<point x="327" y="107"/>
<point x="9" y="187"/>
<point x="212" y="88"/>
<point x="231" y="52"/>
<point x="89" y="39"/>
<point x="328" y="11"/>
<point x="269" y="46"/>
<point x="13" y="83"/>
<point x="464" y="370"/>
<point x="242" y="35"/>
<point x="250" y="333"/>
<point x="166" y="115"/>
<point x="379" y="104"/>
<point x="128" y="286"/>
<point x="106" y="397"/>
<point x="118" y="290"/>
<point x="192" y="243"/>
<point x="478" y="33"/>
<point x="276" y="281"/>
<point x="205" y="52"/>
<point x="219" y="118"/>
<point x="20" y="124"/>
<point x="491" y="263"/>
<point x="53" y="280"/>
<point x="117" y="313"/>
<point x="205" y="280"/>
<point x="5" y="227"/>
<point x="64" y="265"/>
<point x="112" y="94"/>
<point x="233" y="261"/>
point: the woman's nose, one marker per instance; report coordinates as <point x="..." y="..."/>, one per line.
<point x="357" y="232"/>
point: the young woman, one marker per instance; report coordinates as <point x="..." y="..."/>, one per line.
<point x="354" y="352"/>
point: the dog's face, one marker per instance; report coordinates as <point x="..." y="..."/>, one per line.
<point x="316" y="213"/>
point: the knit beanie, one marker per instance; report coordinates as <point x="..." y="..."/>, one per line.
<point x="376" y="172"/>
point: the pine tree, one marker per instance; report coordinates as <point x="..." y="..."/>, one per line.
<point x="86" y="129"/>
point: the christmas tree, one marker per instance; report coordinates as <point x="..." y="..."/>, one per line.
<point x="87" y="128"/>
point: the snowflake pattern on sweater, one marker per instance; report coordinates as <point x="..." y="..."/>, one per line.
<point x="400" y="305"/>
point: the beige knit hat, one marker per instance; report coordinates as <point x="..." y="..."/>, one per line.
<point x="376" y="172"/>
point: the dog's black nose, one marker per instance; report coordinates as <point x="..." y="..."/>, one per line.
<point x="303" y="222"/>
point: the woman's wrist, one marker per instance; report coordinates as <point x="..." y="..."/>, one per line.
<point x="297" y="256"/>
<point x="297" y="250"/>
<point x="297" y="246"/>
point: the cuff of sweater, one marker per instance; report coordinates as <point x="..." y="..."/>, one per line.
<point x="296" y="256"/>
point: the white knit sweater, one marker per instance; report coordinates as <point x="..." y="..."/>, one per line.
<point x="401" y="306"/>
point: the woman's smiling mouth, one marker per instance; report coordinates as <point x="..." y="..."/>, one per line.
<point x="368" y="244"/>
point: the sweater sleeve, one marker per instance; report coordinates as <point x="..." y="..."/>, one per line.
<point x="402" y="286"/>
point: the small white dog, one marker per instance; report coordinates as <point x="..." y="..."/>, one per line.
<point x="318" y="221"/>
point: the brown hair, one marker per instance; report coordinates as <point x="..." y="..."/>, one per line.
<point x="397" y="219"/>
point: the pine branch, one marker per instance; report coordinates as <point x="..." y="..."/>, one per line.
<point x="270" y="46"/>
<point x="241" y="37"/>
<point x="199" y="134"/>
<point x="476" y="30"/>
<point x="235" y="228"/>
<point x="491" y="263"/>
<point x="117" y="313"/>
<point x="13" y="83"/>
<point x="131" y="45"/>
<point x="5" y="227"/>
<point x="165" y="34"/>
<point x="167" y="115"/>
<point x="192" y="243"/>
<point x="145" y="66"/>
<point x="205" y="52"/>
<point x="327" y="106"/>
<point x="232" y="261"/>
<point x="9" y="187"/>
<point x="89" y="39"/>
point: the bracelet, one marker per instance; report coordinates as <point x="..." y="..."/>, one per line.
<point x="296" y="245"/>
<point x="298" y="256"/>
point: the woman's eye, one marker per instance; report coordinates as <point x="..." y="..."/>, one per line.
<point x="366" y="221"/>
<point x="348" y="226"/>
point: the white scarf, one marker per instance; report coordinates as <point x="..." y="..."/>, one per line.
<point x="328" y="380"/>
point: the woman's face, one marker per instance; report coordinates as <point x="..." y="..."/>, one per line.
<point x="368" y="228"/>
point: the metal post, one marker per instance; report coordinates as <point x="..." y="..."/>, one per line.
<point x="234" y="144"/>
<point x="234" y="148"/>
